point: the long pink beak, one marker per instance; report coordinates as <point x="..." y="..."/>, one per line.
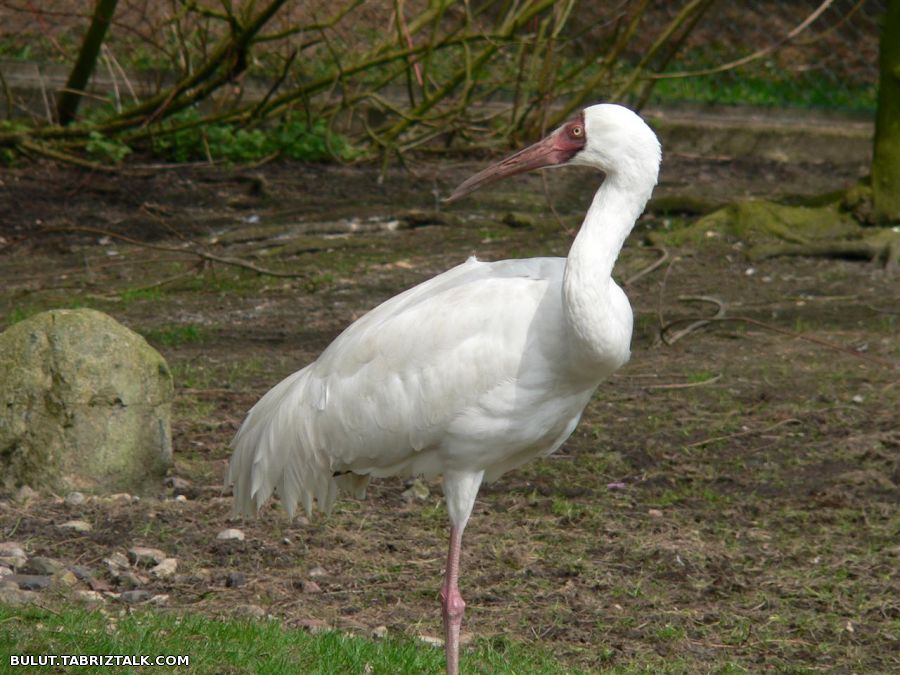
<point x="557" y="148"/>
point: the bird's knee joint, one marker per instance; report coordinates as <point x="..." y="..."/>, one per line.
<point x="454" y="605"/>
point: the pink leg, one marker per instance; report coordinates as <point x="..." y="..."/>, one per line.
<point x="452" y="602"/>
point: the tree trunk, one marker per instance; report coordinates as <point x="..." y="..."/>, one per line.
<point x="886" y="162"/>
<point x="87" y="58"/>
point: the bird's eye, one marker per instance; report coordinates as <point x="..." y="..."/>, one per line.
<point x="577" y="131"/>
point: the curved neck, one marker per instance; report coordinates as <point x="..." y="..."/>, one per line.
<point x="597" y="323"/>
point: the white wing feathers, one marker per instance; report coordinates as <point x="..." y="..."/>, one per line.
<point x="379" y="399"/>
<point x="272" y="453"/>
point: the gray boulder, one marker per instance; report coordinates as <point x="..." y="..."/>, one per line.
<point x="85" y="404"/>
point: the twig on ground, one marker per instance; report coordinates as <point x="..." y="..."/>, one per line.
<point x="203" y="255"/>
<point x="659" y="301"/>
<point x="720" y="312"/>
<point x="776" y="329"/>
<point x="879" y="310"/>
<point x="746" y="432"/>
<point x="156" y="284"/>
<point x="664" y="255"/>
<point x="685" y="385"/>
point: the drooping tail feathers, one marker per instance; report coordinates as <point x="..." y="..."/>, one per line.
<point x="275" y="451"/>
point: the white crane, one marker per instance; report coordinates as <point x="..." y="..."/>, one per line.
<point x="471" y="373"/>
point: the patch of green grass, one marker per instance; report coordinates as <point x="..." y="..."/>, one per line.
<point x="566" y="508"/>
<point x="669" y="633"/>
<point x="130" y="295"/>
<point x="20" y="314"/>
<point x="193" y="375"/>
<point x="489" y="234"/>
<point x="692" y="493"/>
<point x="731" y="669"/>
<point x="767" y="89"/>
<point x="200" y="375"/>
<point x="887" y="323"/>
<point x="700" y="376"/>
<point x="223" y="281"/>
<point x="216" y="646"/>
<point x="318" y="282"/>
<point x="177" y="335"/>
<point x="27" y="311"/>
<point x="191" y="408"/>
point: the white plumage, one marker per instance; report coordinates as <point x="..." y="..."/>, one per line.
<point x="471" y="373"/>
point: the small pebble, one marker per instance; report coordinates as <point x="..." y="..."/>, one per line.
<point x="249" y="612"/>
<point x="40" y="564"/>
<point x="12" y="554"/>
<point x="231" y="534"/>
<point x="308" y="586"/>
<point x="145" y="556"/>
<point x="82" y="572"/>
<point x="177" y="483"/>
<point x="77" y="526"/>
<point x="99" y="585"/>
<point x="317" y="571"/>
<point x="16" y="597"/>
<point x="655" y="513"/>
<point x="65" y="579"/>
<point x="130" y="580"/>
<point x="25" y="494"/>
<point x="75" y="499"/>
<point x="136" y="596"/>
<point x="165" y="569"/>
<point x="90" y="597"/>
<point x="235" y="580"/>
<point x="29" y="582"/>
<point x="116" y="562"/>
<point x="14" y="562"/>
<point x="379" y="632"/>
<point x="314" y="626"/>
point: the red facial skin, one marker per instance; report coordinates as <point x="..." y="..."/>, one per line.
<point x="557" y="148"/>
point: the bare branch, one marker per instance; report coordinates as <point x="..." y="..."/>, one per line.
<point x="755" y="56"/>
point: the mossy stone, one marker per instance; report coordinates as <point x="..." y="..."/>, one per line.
<point x="85" y="404"/>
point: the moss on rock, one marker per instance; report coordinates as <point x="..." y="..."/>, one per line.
<point x="85" y="403"/>
<point x="770" y="229"/>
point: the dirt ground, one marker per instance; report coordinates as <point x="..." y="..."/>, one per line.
<point x="727" y="504"/>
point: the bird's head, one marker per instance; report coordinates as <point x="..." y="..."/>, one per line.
<point x="607" y="137"/>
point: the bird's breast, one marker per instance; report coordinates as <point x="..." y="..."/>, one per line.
<point x="515" y="421"/>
